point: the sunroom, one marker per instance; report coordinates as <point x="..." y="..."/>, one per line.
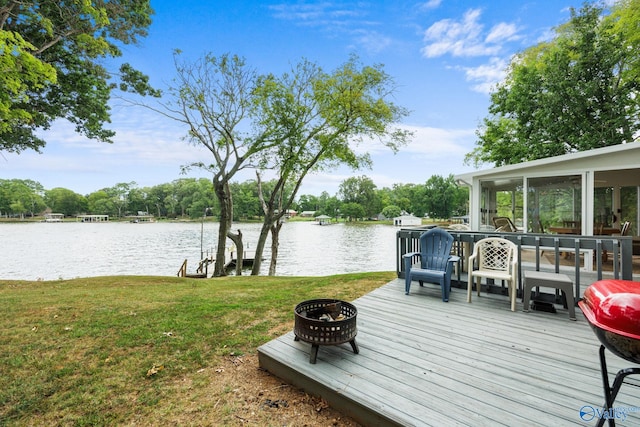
<point x="590" y="192"/>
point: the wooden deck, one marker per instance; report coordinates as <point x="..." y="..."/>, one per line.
<point x="423" y="362"/>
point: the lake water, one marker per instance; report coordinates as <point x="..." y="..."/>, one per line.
<point x="50" y="251"/>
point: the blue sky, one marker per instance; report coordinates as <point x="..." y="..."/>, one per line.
<point x="444" y="56"/>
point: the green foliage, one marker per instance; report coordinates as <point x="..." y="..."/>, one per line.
<point x="362" y="191"/>
<point x="291" y="124"/>
<point x="51" y="59"/>
<point x="391" y="211"/>
<point x="352" y="211"/>
<point x="22" y="72"/>
<point x="191" y="197"/>
<point x="101" y="203"/>
<point x="314" y="118"/>
<point x="62" y="200"/>
<point x="443" y="198"/>
<point x="19" y="197"/>
<point x="576" y="92"/>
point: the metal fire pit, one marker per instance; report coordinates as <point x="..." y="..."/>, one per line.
<point x="612" y="308"/>
<point x="309" y="328"/>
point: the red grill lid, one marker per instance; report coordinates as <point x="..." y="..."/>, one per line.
<point x="614" y="306"/>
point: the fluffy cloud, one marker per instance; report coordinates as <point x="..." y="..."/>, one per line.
<point x="318" y="14"/>
<point x="466" y="37"/>
<point x="485" y="77"/>
<point x="352" y="21"/>
<point x="431" y="4"/>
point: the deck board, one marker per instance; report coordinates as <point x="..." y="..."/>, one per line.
<point x="423" y="362"/>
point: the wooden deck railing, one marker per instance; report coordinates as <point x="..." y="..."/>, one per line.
<point x="617" y="248"/>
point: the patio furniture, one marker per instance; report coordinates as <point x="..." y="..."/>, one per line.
<point x="544" y="279"/>
<point x="566" y="230"/>
<point x="436" y="261"/>
<point x="497" y="259"/>
<point x="572" y="224"/>
<point x="624" y="231"/>
<point x="460" y="249"/>
<point x="503" y="223"/>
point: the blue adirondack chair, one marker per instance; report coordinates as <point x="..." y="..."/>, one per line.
<point x="436" y="261"/>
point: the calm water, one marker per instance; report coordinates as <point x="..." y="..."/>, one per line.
<point x="50" y="251"/>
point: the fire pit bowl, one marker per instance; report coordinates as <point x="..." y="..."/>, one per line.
<point x="612" y="308"/>
<point x="325" y="322"/>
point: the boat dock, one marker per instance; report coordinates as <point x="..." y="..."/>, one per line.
<point x="202" y="271"/>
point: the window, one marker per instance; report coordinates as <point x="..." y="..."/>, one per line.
<point x="502" y="197"/>
<point x="554" y="202"/>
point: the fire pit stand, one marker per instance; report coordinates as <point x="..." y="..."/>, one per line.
<point x="325" y="322"/>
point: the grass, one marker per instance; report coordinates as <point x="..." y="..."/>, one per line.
<point x="128" y="350"/>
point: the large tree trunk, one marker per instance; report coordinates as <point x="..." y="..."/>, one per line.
<point x="223" y="194"/>
<point x="275" y="242"/>
<point x="237" y="241"/>
<point x="262" y="239"/>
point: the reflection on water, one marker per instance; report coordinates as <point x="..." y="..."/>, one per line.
<point x="51" y="251"/>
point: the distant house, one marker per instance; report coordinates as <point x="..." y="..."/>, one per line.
<point x="406" y="220"/>
<point x="307" y="214"/>
<point x="289" y="213"/>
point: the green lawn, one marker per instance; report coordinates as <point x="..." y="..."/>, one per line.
<point x="117" y="350"/>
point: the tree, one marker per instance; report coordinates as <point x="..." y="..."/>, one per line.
<point x="574" y="93"/>
<point x="352" y="211"/>
<point x="401" y="195"/>
<point x="308" y="202"/>
<point x="201" y="200"/>
<point x="246" y="203"/>
<point x="361" y="190"/>
<point x="51" y="59"/>
<point x="119" y="194"/>
<point x="65" y="201"/>
<point x="213" y="98"/>
<point x="623" y="22"/>
<point x="156" y="197"/>
<point x="101" y="203"/>
<point x="21" y="196"/>
<point x="316" y="118"/>
<point x="443" y="197"/>
<point x="391" y="211"/>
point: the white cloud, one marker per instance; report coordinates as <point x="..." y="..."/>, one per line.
<point x="316" y="15"/>
<point x="486" y="76"/>
<point x="337" y="20"/>
<point x="439" y="142"/>
<point x="435" y="142"/>
<point x="502" y="32"/>
<point x="372" y="41"/>
<point x="465" y="37"/>
<point x="431" y="4"/>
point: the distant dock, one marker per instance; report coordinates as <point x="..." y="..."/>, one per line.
<point x="92" y="218"/>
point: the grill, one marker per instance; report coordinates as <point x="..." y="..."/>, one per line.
<point x="310" y="325"/>
<point x="612" y="308"/>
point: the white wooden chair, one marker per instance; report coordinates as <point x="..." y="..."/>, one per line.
<point x="494" y="258"/>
